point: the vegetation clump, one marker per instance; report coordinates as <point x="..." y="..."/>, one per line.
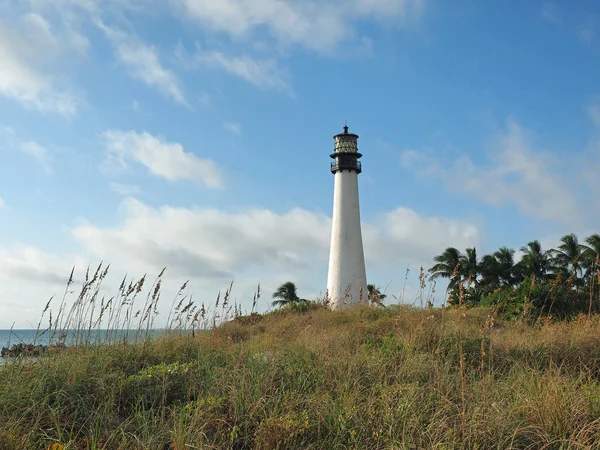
<point x="363" y="378"/>
<point x="561" y="282"/>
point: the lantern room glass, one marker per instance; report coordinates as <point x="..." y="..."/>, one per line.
<point x="345" y="144"/>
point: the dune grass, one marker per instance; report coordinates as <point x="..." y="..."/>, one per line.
<point x="366" y="378"/>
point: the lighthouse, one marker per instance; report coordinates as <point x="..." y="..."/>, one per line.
<point x="346" y="280"/>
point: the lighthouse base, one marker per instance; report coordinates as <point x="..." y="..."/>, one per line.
<point x="349" y="296"/>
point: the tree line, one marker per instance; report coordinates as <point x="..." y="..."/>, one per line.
<point x="558" y="281"/>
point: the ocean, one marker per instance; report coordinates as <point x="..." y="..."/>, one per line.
<point x="26" y="336"/>
<point x="29" y="336"/>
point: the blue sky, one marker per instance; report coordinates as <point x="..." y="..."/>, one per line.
<point x="195" y="134"/>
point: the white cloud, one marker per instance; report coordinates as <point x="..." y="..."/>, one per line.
<point x="517" y="174"/>
<point x="208" y="242"/>
<point x="306" y="23"/>
<point x="26" y="263"/>
<point x="28" y="278"/>
<point x="7" y="131"/>
<point x="143" y="64"/>
<point x="163" y="159"/>
<point x="594" y="112"/>
<point x="232" y="127"/>
<point x="585" y="34"/>
<point x="263" y="73"/>
<point x="215" y="246"/>
<point x="2" y="203"/>
<point x="29" y="48"/>
<point x="404" y="235"/>
<point x="592" y="166"/>
<point x="67" y="9"/>
<point x="66" y="5"/>
<point x="581" y="25"/>
<point x="204" y="99"/>
<point x="126" y="190"/>
<point x="273" y="25"/>
<point x="39" y="153"/>
<point x="550" y="12"/>
<point x="318" y="25"/>
<point x="389" y="9"/>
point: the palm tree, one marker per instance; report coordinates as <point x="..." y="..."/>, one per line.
<point x="448" y="265"/>
<point x="568" y="256"/>
<point x="535" y="261"/>
<point x="285" y="294"/>
<point x="490" y="272"/>
<point x="508" y="273"/>
<point x="469" y="265"/>
<point x="375" y="294"/>
<point x="591" y="254"/>
<point x="498" y="269"/>
<point x="591" y="262"/>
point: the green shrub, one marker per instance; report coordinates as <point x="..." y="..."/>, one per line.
<point x="160" y="385"/>
<point x="536" y="298"/>
<point x="282" y="433"/>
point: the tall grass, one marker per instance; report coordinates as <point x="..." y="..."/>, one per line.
<point x="93" y="319"/>
<point x="300" y="377"/>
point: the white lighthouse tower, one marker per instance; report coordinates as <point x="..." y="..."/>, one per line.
<point x="347" y="280"/>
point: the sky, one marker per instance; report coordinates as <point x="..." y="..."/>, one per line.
<point x="195" y="135"/>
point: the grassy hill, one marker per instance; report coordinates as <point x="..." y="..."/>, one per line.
<point x="367" y="378"/>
